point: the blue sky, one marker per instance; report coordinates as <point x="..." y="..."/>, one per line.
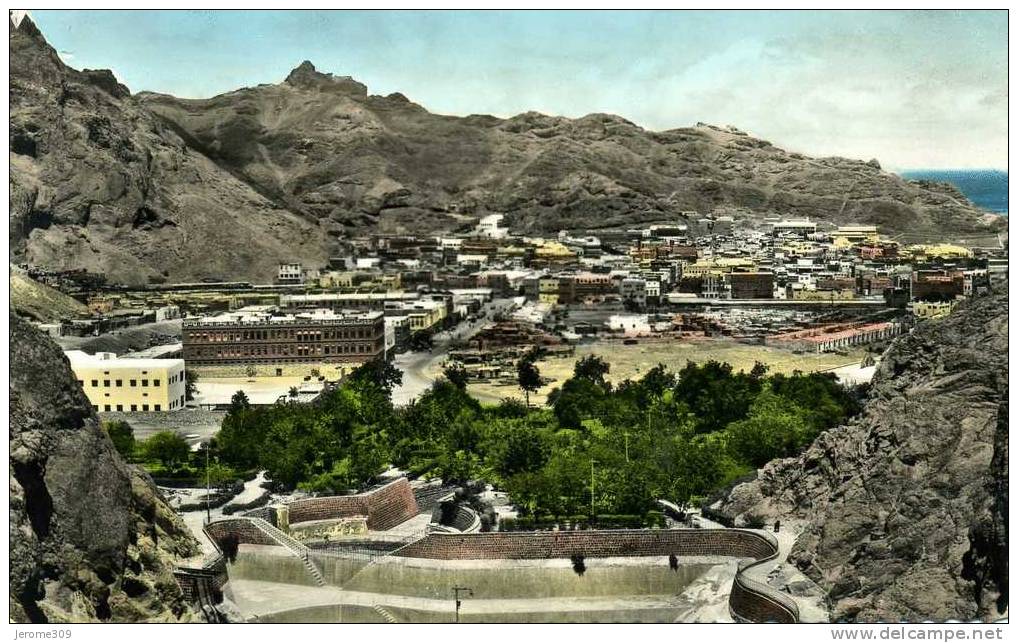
<point x="912" y="89"/>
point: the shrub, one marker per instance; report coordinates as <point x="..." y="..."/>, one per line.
<point x="579" y="566"/>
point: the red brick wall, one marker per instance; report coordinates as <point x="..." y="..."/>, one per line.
<point x="594" y="544"/>
<point x="244" y="529"/>
<point x="385" y="507"/>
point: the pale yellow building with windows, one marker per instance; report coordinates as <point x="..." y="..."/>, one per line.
<point x="129" y="385"/>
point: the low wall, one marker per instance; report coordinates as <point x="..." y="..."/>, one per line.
<point x="331" y="370"/>
<point x="593" y="544"/>
<point x="384" y="507"/>
<point x="202" y="584"/>
<point x="245" y="531"/>
<point x="749" y="601"/>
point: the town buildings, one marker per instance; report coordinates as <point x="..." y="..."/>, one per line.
<point x="129" y="385"/>
<point x="262" y="335"/>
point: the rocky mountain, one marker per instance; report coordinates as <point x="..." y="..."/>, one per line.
<point x="98" y="182"/>
<point x="905" y="508"/>
<point x="40" y="302"/>
<point x="140" y="186"/>
<point x="91" y="538"/>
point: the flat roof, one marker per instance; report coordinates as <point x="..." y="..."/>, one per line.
<point x="111" y="361"/>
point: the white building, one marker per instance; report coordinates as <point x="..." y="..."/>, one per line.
<point x="290" y="273"/>
<point x="490" y="227"/>
<point x="630" y="325"/>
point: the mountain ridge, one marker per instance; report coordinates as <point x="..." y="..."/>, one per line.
<point x="303" y="165"/>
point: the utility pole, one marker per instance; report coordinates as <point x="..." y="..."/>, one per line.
<point x="456" y="592"/>
<point x="208" y="486"/>
<point x="592" y="462"/>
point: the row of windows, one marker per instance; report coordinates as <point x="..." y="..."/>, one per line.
<point x="120" y="407"/>
<point x="144" y="407"/>
<point x="120" y="383"/>
<point x="285" y="333"/>
<point x="274" y="350"/>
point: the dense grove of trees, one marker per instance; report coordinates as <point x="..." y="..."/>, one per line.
<point x="667" y="435"/>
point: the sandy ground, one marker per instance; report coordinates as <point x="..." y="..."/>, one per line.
<point x="259" y="390"/>
<point x="634" y="360"/>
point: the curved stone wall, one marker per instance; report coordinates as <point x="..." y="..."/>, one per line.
<point x="384" y="507"/>
<point x="750" y="600"/>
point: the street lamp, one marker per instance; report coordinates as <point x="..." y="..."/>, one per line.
<point x="456" y="592"/>
<point x="208" y="486"/>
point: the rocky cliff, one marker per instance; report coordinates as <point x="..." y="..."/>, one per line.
<point x="146" y="187"/>
<point x="98" y="182"/>
<point x="905" y="508"/>
<point x="91" y="539"/>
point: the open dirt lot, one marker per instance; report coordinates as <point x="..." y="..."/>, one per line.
<point x="632" y="361"/>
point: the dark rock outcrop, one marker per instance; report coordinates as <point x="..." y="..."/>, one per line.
<point x="91" y="539"/>
<point x="905" y="507"/>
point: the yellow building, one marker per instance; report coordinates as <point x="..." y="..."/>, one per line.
<point x="938" y="250"/>
<point x="129" y="385"/>
<point x="933" y="309"/>
<point x="848" y="235"/>
<point x="553" y="251"/>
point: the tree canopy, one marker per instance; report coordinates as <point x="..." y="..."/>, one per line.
<point x="677" y="436"/>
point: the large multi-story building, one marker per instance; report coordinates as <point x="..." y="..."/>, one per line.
<point x="261" y="335"/>
<point x="129" y="385"/>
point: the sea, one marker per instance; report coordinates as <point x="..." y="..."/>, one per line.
<point x="986" y="188"/>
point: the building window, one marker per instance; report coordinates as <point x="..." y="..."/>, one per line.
<point x="134" y="407"/>
<point x="144" y="407"/>
<point x="95" y="406"/>
<point x="81" y="383"/>
<point x="119" y="382"/>
<point x="144" y="383"/>
<point x="120" y="407"/>
<point x="134" y="382"/>
<point x="155" y="382"/>
<point x="95" y="383"/>
<point x="106" y="408"/>
<point x="158" y="407"/>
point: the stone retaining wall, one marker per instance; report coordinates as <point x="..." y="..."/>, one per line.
<point x="245" y="531"/>
<point x="593" y="544"/>
<point x="384" y="507"/>
<point x="749" y="601"/>
<point x="168" y="419"/>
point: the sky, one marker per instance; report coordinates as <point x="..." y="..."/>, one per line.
<point x="913" y="89"/>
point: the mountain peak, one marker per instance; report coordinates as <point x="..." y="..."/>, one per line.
<point x="306" y="76"/>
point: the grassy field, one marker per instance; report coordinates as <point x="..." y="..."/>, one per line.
<point x="628" y="362"/>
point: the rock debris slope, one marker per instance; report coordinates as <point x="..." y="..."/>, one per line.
<point x="91" y="539"/>
<point x="906" y="506"/>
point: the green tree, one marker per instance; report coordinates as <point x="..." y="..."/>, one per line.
<point x="421" y="341"/>
<point x="775" y="428"/>
<point x="591" y="368"/>
<point x="528" y="376"/>
<point x="167" y="448"/>
<point x="122" y="435"/>
<point x="239" y="402"/>
<point x="379" y="372"/>
<point x="190" y="385"/>
<point x="456" y="374"/>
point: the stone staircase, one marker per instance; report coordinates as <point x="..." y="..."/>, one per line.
<point x="386" y="614"/>
<point x="294" y="546"/>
